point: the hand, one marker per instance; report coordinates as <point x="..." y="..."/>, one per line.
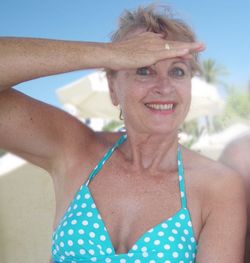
<point x="146" y="49"/>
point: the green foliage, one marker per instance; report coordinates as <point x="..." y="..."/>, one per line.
<point x="190" y="128"/>
<point x="211" y="71"/>
<point x="2" y="152"/>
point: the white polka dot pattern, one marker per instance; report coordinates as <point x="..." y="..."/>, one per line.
<point x="81" y="235"/>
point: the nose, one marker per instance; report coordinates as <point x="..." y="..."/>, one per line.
<point x="164" y="85"/>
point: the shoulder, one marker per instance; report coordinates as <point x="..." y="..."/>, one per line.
<point x="217" y="183"/>
<point x="225" y="187"/>
<point x="206" y="169"/>
<point x="214" y="174"/>
<point x="84" y="155"/>
<point x="223" y="214"/>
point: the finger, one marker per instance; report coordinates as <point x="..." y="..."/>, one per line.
<point x="194" y="46"/>
<point x="187" y="57"/>
<point x="201" y="48"/>
<point x="176" y="52"/>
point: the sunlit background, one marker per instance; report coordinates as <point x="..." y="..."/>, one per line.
<point x="219" y="114"/>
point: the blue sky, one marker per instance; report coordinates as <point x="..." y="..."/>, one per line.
<point x="223" y="25"/>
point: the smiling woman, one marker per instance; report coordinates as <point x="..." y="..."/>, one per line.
<point x="159" y="94"/>
<point x="136" y="204"/>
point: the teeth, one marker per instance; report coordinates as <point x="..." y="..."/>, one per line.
<point x="160" y="106"/>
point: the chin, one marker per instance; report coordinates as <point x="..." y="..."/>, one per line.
<point x="168" y="128"/>
<point x="156" y="125"/>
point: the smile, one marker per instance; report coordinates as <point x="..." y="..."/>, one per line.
<point x="162" y="107"/>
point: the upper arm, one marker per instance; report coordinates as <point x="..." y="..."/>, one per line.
<point x="37" y="131"/>
<point x="222" y="238"/>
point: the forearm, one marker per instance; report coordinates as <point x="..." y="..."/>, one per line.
<point x="23" y="59"/>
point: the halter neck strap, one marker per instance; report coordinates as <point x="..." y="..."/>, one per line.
<point x="105" y="158"/>
<point x="181" y="179"/>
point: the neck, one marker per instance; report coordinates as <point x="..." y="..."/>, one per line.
<point x="149" y="152"/>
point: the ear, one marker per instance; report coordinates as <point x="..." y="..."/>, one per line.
<point x="112" y="90"/>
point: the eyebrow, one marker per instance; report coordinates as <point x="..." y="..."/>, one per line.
<point x="183" y="61"/>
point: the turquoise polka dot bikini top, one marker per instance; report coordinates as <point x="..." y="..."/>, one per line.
<point x="81" y="235"/>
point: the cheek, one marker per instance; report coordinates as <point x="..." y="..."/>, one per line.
<point x="187" y="98"/>
<point x="185" y="92"/>
<point x="129" y="91"/>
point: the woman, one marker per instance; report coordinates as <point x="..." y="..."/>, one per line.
<point x="136" y="205"/>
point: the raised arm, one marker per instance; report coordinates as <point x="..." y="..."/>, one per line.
<point x="39" y="132"/>
<point x="23" y="59"/>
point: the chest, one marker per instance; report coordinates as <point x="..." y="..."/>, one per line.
<point x="126" y="206"/>
<point x="132" y="207"/>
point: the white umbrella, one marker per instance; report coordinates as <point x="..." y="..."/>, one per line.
<point x="206" y="100"/>
<point x="88" y="97"/>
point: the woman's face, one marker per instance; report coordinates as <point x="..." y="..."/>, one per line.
<point x="154" y="99"/>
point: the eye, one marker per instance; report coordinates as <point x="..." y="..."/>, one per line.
<point x="145" y="71"/>
<point x="177" y="72"/>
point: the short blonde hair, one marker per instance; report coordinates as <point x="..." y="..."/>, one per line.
<point x="157" y="19"/>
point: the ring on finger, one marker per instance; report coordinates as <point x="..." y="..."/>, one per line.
<point x="167" y="46"/>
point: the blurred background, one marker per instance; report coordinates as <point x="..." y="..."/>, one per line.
<point x="220" y="110"/>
